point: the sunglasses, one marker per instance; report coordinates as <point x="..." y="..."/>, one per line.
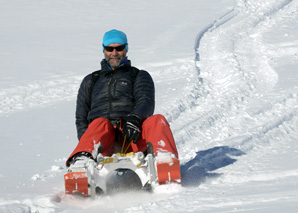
<point x="118" y="48"/>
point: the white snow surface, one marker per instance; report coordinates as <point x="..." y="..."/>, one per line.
<point x="226" y="76"/>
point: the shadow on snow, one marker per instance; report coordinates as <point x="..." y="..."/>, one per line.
<point x="197" y="170"/>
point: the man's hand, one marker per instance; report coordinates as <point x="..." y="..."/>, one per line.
<point x="132" y="128"/>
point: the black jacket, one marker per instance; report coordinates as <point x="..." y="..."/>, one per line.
<point x="114" y="96"/>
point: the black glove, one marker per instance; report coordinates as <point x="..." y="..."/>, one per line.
<point x="132" y="128"/>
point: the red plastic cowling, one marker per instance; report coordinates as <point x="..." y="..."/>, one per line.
<point x="76" y="182"/>
<point x="168" y="172"/>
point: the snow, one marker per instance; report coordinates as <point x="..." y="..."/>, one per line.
<point x="225" y="73"/>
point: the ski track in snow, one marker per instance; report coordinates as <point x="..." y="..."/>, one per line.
<point x="235" y="85"/>
<point x="231" y="110"/>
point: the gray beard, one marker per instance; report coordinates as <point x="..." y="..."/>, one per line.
<point x="114" y="64"/>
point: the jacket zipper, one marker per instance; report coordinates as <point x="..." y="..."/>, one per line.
<point x="114" y="87"/>
<point x="110" y="97"/>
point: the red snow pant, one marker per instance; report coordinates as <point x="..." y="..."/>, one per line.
<point x="155" y="130"/>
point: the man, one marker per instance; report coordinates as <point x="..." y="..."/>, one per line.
<point x="115" y="108"/>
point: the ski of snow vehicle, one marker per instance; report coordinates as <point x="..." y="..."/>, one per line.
<point x="122" y="172"/>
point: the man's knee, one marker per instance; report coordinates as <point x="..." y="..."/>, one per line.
<point x="156" y="119"/>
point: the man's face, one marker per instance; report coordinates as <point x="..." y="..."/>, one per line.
<point x="114" y="56"/>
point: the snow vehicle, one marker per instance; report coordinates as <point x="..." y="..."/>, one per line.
<point x="122" y="172"/>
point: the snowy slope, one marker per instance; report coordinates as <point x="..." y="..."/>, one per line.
<point x="226" y="79"/>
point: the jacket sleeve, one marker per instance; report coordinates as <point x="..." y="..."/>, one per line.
<point x="83" y="106"/>
<point x="144" y="93"/>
